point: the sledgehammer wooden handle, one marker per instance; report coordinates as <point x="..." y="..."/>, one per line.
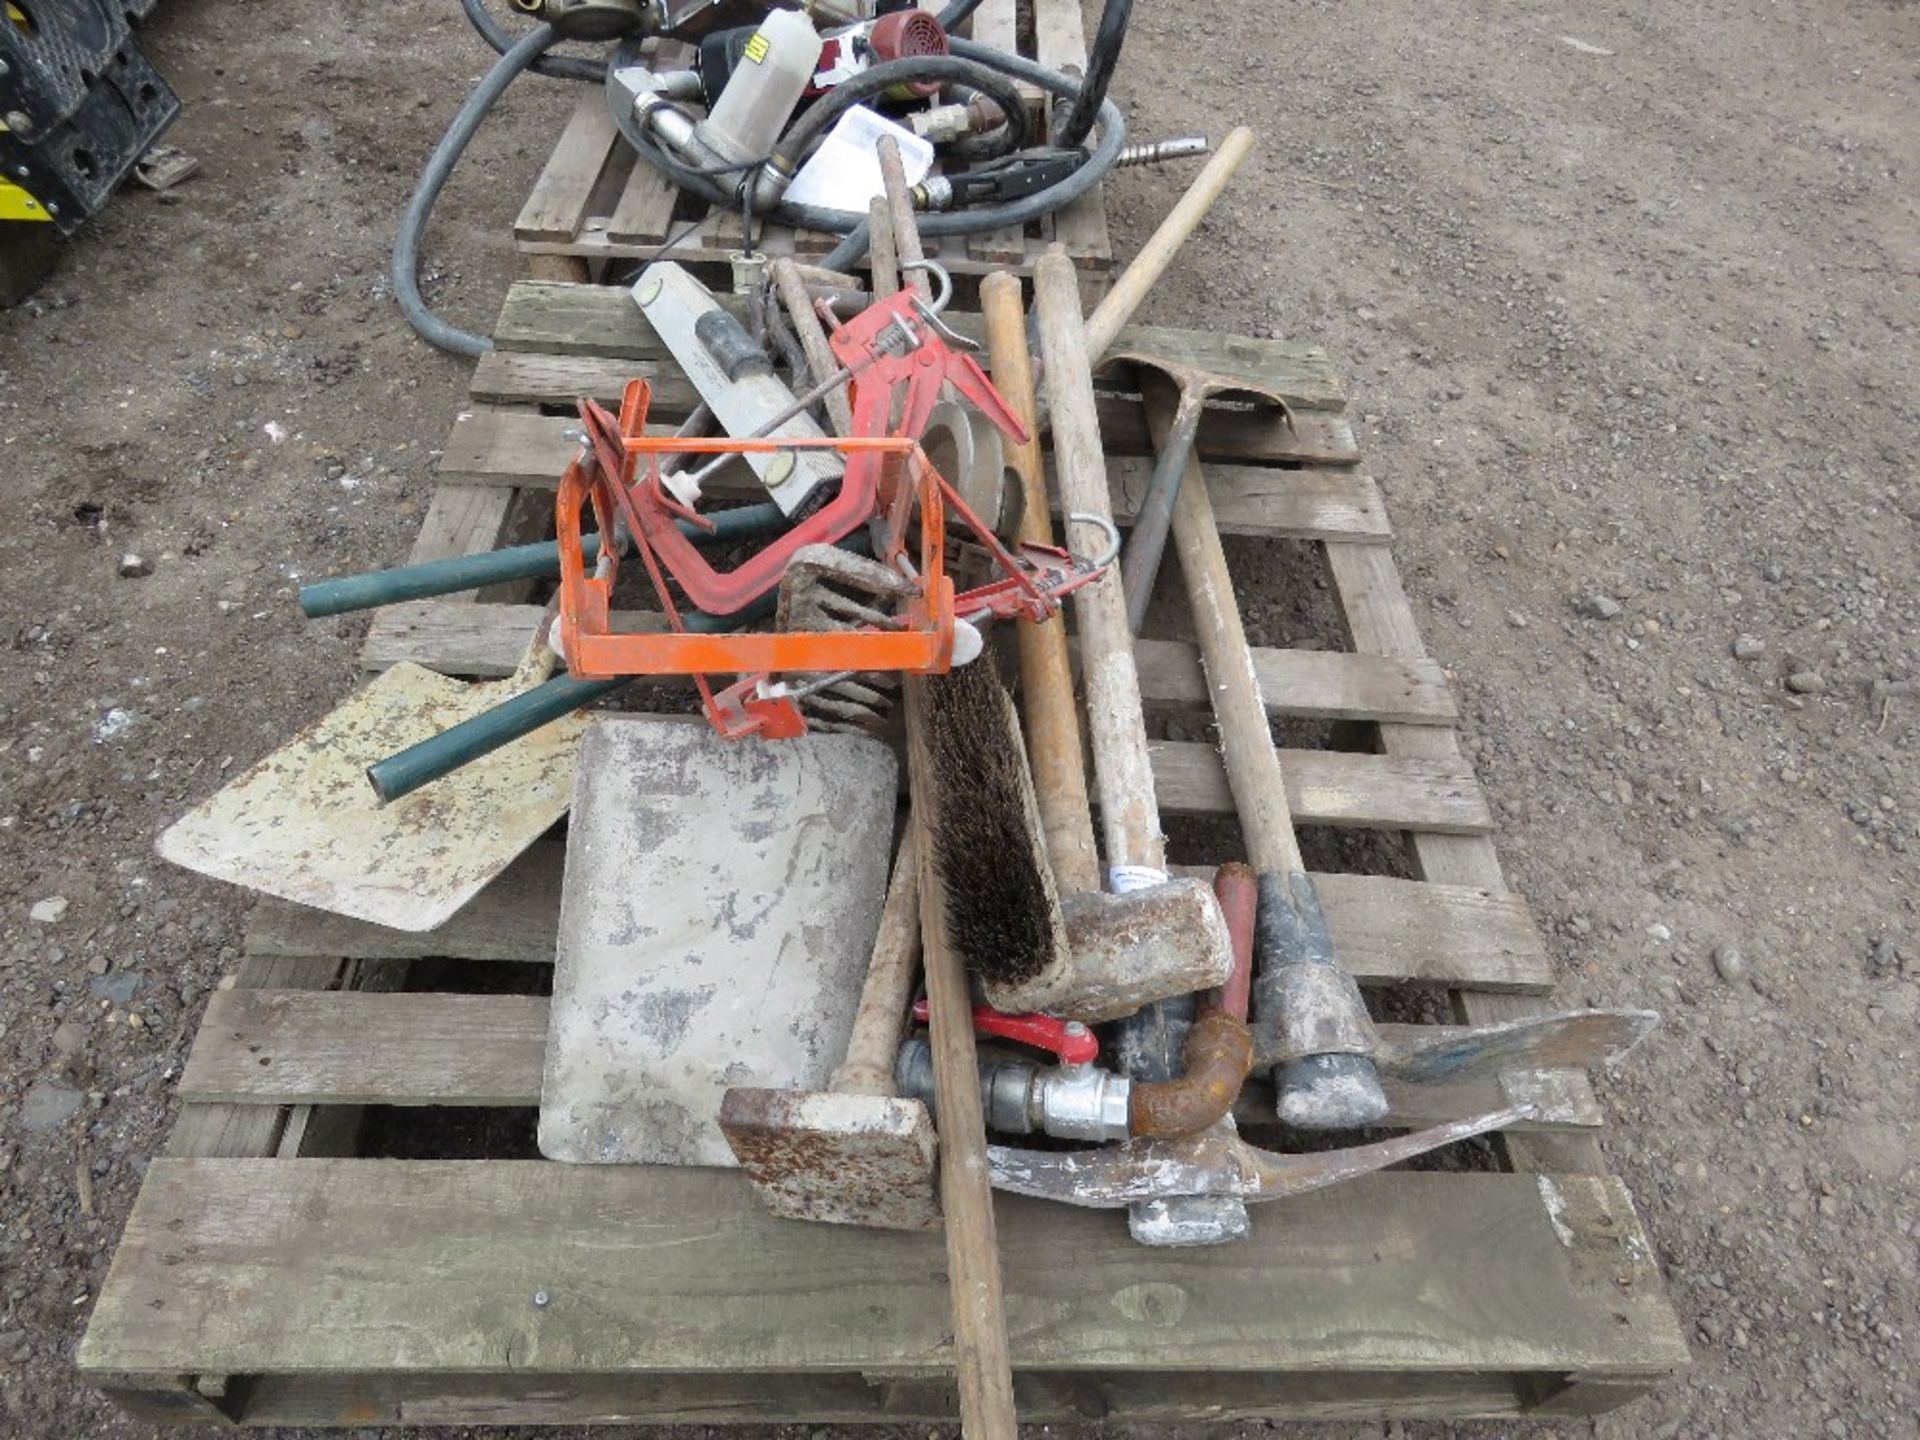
<point x="1122" y="764"/>
<point x="1046" y="674"/>
<point x="881" y="1016"/>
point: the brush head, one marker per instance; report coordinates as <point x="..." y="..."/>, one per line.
<point x="1003" y="910"/>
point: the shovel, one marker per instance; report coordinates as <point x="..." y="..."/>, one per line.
<point x="303" y="824"/>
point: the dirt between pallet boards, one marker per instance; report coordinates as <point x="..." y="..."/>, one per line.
<point x="1629" y="297"/>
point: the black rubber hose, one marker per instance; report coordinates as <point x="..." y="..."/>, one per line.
<point x="853" y="224"/>
<point x="812" y="126"/>
<point x="1072" y="125"/>
<point x="799" y="141"/>
<point x="1113" y="135"/>
<point x="554" y="67"/>
<point x="956" y="12"/>
<point x="433" y="178"/>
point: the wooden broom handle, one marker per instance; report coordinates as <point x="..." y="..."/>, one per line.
<point x="983" y="1367"/>
<point x="1146" y="268"/>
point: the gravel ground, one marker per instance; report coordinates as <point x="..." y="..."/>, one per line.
<point x="1629" y="295"/>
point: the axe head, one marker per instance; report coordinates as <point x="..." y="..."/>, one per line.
<point x="840" y="1158"/>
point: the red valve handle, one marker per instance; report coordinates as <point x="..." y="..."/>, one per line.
<point x="1073" y="1042"/>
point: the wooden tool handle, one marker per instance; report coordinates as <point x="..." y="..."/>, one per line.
<point x="882" y="1013"/>
<point x="906" y="231"/>
<point x="889" y="984"/>
<point x="1246" y="740"/>
<point x="1122" y="767"/>
<point x="983" y="1370"/>
<point x="983" y="1367"/>
<point x="813" y="339"/>
<point x="1113" y="312"/>
<point x="882" y="260"/>
<point x="1046" y="674"/>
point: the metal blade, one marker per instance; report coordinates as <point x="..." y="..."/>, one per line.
<point x="1579" y="1039"/>
<point x="1212" y="1164"/>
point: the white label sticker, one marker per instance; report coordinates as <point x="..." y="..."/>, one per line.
<point x="1123" y="879"/>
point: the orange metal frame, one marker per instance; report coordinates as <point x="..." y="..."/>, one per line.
<point x="601" y="478"/>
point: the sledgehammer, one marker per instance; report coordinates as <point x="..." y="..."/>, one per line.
<point x="854" y="1154"/>
<point x="1306" y="1007"/>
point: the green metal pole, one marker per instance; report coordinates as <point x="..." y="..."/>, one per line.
<point x="540" y="561"/>
<point x="421" y="764"/>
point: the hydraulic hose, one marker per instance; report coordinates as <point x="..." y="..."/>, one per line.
<point x="799" y="141"/>
<point x="433" y="178"/>
<point x="530" y="53"/>
<point x="1113" y="135"/>
<point x="853" y="224"/>
<point x="956" y="12"/>
<point x="554" y="67"/>
<point x="1072" y="124"/>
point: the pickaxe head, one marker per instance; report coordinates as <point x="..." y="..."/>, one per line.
<point x="1216" y="1162"/>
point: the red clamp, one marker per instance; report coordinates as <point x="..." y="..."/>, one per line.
<point x="1073" y="1042"/>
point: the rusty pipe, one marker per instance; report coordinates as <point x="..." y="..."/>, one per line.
<point x="1215" y="1061"/>
<point x="1218" y="1052"/>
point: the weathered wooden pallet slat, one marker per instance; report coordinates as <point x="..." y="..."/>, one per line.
<point x="1388" y="931"/>
<point x="486" y="641"/>
<point x="382" y="1265"/>
<point x="502" y="377"/>
<point x="239" y="1130"/>
<point x="1380" y="621"/>
<point x="556" y="318"/>
<point x="512" y="1398"/>
<point x="287" y="1047"/>
<point x="490" y="446"/>
<point x="557" y="206"/>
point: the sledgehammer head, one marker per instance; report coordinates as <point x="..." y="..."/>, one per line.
<point x="843" y="1159"/>
<point x="1125" y="951"/>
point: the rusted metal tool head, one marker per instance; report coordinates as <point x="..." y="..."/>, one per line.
<point x="853" y="1154"/>
<point x="1573" y="1039"/>
<point x="1124" y="951"/>
<point x="841" y="1158"/>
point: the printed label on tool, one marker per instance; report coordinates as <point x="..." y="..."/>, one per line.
<point x="1122" y="879"/>
<point x="756" y="50"/>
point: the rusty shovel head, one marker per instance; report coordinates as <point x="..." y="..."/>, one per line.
<point x="838" y="1158"/>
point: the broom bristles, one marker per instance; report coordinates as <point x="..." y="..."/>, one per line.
<point x="1003" y="908"/>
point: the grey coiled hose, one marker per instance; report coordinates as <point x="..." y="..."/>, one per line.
<point x="433" y="178"/>
<point x="529" y="52"/>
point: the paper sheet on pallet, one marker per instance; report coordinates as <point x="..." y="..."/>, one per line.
<point x="717" y="915"/>
<point x="844" y="173"/>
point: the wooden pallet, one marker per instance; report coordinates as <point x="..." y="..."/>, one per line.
<point x="272" y="1273"/>
<point x="596" y="200"/>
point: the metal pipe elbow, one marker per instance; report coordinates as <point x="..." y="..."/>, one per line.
<point x="1216" y="1059"/>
